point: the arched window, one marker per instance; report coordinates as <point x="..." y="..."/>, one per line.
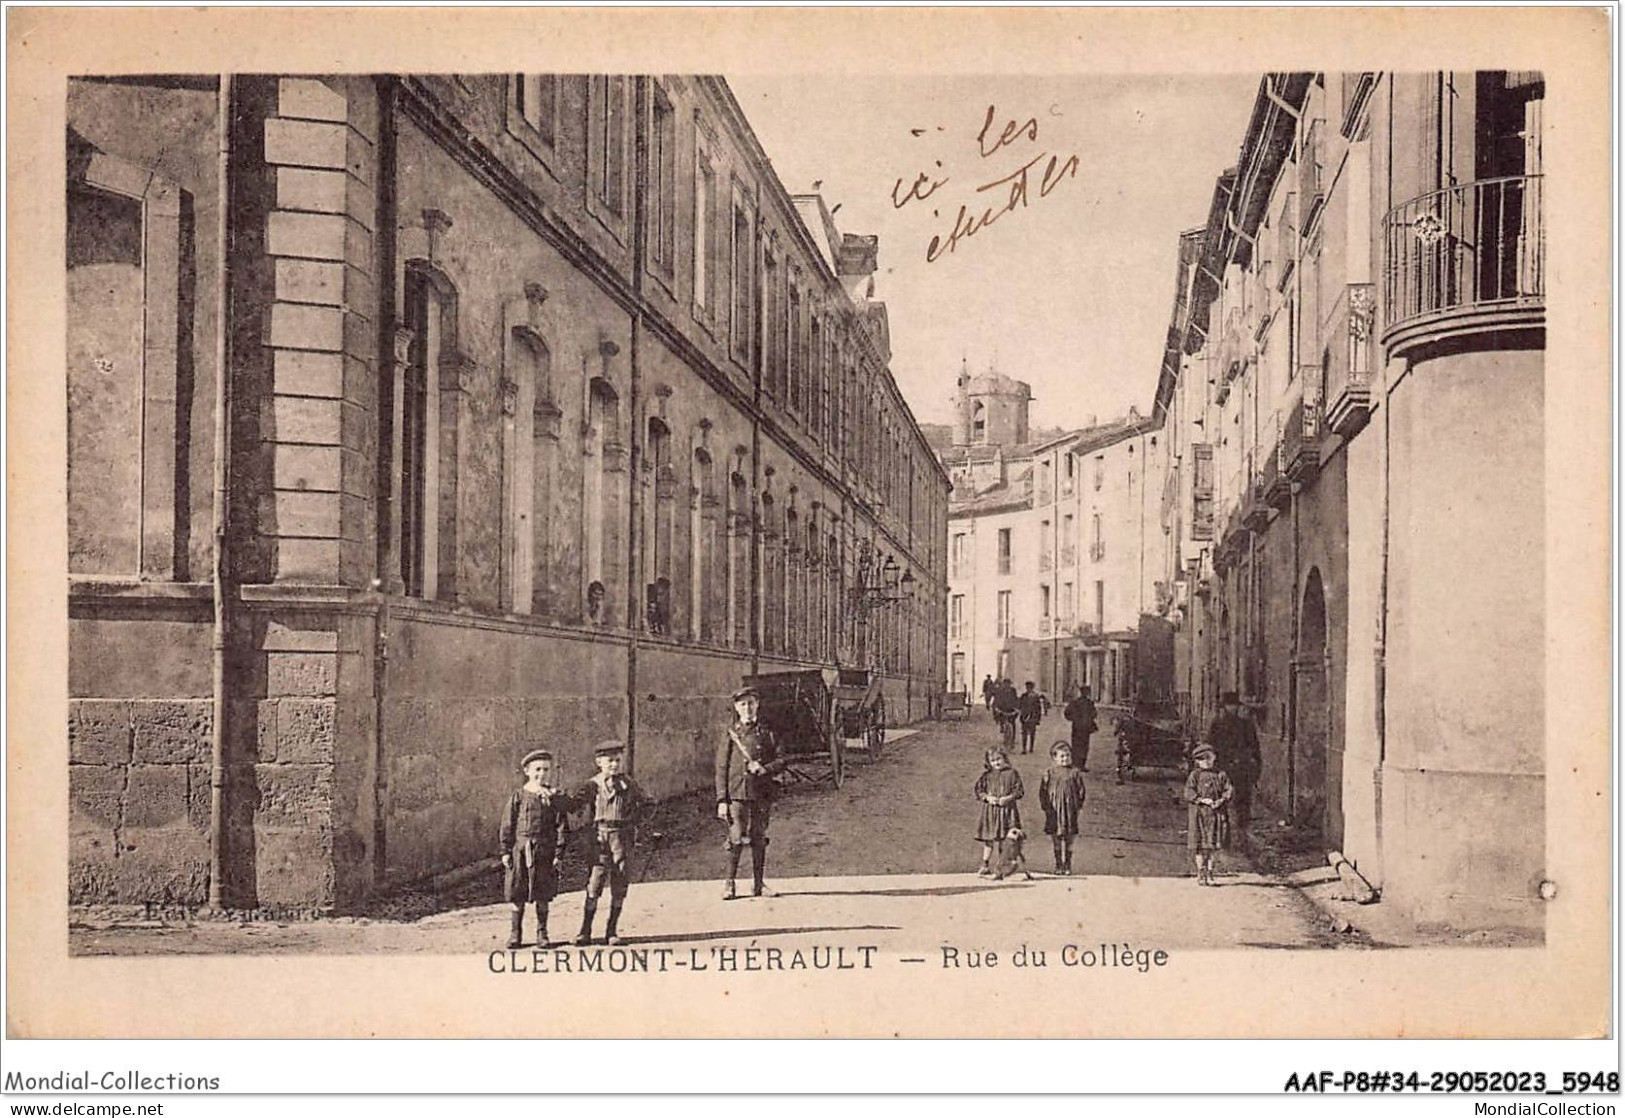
<point x="659" y="550"/>
<point x="702" y="548"/>
<point x="792" y="582"/>
<point x="978" y="423"/>
<point x="426" y="478"/>
<point x="739" y="545"/>
<point x="770" y="588"/>
<point x="528" y="435"/>
<point x="602" y="466"/>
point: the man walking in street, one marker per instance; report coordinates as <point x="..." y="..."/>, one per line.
<point x="1081" y="713"/>
<point x="1006" y="711"/>
<point x="1235" y="742"/>
<point x="1030" y="708"/>
<point x="747" y="760"/>
<point x="988" y="690"/>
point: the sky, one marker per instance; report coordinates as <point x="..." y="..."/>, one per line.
<point x="1069" y="290"/>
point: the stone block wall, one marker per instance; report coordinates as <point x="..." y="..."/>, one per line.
<point x="138" y="786"/>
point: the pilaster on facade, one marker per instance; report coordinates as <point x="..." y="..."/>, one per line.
<point x="320" y="326"/>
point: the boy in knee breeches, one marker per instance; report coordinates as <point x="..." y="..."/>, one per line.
<point x="534" y="827"/>
<point x="614" y="801"/>
<point x="747" y="760"/>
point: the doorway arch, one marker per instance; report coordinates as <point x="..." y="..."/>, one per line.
<point x="1318" y="795"/>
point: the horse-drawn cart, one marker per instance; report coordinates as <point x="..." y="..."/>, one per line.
<point x="817" y="714"/>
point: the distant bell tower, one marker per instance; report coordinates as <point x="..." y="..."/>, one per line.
<point x="990" y="409"/>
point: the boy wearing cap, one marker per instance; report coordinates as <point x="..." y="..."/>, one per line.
<point x="747" y="761"/>
<point x="615" y="802"/>
<point x="533" y="832"/>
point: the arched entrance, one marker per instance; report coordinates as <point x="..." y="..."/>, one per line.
<point x="1317" y="799"/>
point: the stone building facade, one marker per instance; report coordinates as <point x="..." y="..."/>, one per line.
<point x="550" y="414"/>
<point x="1353" y="394"/>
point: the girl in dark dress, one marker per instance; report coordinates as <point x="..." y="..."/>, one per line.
<point x="1207" y="792"/>
<point x="996" y="791"/>
<point x="1061" y="796"/>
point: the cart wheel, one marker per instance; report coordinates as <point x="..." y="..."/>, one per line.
<point x="837" y="754"/>
<point x="876" y="738"/>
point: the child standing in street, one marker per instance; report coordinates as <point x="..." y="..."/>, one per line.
<point x="1208" y="792"/>
<point x="615" y="803"/>
<point x="533" y="832"/>
<point x="997" y="790"/>
<point x="1061" y="795"/>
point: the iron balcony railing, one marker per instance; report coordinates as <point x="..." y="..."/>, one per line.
<point x="1478" y="246"/>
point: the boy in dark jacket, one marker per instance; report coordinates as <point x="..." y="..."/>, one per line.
<point x="747" y="761"/>
<point x="614" y="802"/>
<point x="534" y="827"/>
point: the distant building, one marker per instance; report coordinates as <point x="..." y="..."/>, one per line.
<point x="1047" y="569"/>
<point x="1352" y="391"/>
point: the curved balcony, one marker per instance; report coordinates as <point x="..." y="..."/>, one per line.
<point x="1468" y="259"/>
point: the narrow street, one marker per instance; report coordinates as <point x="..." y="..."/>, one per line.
<point x="888" y="859"/>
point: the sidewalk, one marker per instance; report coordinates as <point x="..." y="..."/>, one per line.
<point x="1302" y="864"/>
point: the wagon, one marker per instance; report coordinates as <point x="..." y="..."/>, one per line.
<point x="1150" y="737"/>
<point x="814" y="713"/>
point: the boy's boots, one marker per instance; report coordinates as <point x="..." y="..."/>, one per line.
<point x="611" y="935"/>
<point x="1060" y="857"/>
<point x="516" y="927"/>
<point x="584" y="937"/>
<point x="541" y="924"/>
<point x="729" y="890"/>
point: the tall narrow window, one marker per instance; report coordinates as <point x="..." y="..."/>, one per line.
<point x="663" y="184"/>
<point x="1100" y="470"/>
<point x="658" y="590"/>
<point x="1097" y="543"/>
<point x="772" y="328"/>
<point x="817" y="378"/>
<point x="705" y="212"/>
<point x="419" y="432"/>
<point x="607" y="142"/>
<point x="741" y="278"/>
<point x="793" y="357"/>
<point x="536" y="99"/>
<point x="1043" y="601"/>
<point x="526" y="399"/>
<point x="1004" y="613"/>
<point x="1201" y="491"/>
<point x="1004" y="551"/>
<point x="1100" y="606"/>
<point x="600" y="493"/>
<point x="956" y="617"/>
<point x="702" y="536"/>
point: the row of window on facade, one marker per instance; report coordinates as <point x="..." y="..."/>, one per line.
<point x="806" y="365"/>
<point x="1068" y="469"/>
<point x="697" y="538"/>
<point x="1066" y="610"/>
<point x="959" y="556"/>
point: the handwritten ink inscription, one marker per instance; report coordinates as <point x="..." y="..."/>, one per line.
<point x="1007" y="193"/>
